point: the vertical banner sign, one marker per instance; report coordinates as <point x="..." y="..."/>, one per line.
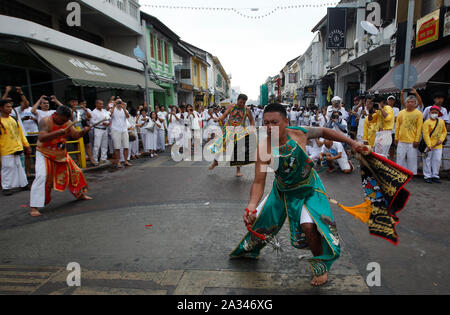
<point x="427" y="29"/>
<point x="292" y="77"/>
<point x="337" y="28"/>
<point x="446" y="24"/>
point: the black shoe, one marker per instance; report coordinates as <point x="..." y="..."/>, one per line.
<point x="7" y="192"/>
<point x="428" y="181"/>
<point x="436" y="180"/>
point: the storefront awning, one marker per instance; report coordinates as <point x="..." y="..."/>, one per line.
<point x="88" y="72"/>
<point x="427" y="65"/>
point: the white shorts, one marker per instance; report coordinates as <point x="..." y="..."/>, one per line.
<point x="304" y="217"/>
<point x="120" y="140"/>
<point x="344" y="164"/>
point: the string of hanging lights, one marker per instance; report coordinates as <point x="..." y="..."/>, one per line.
<point x="239" y="11"/>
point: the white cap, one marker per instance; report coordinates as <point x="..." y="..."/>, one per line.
<point x="391" y="96"/>
<point x="336" y="99"/>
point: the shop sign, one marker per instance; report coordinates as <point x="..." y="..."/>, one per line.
<point x="427" y="29"/>
<point x="310" y="92"/>
<point x="186" y="86"/>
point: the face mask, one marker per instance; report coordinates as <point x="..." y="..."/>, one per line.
<point x="434" y="116"/>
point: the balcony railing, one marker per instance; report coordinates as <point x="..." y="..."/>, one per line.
<point x="127" y="6"/>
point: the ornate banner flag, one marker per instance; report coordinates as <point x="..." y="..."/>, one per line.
<point x="383" y="183"/>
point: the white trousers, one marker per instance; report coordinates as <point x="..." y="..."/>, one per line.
<point x="446" y="154"/>
<point x="161" y="139"/>
<point x="134" y="147"/>
<point x="304" y="217"/>
<point x="100" y="143"/>
<point x="37" y="195"/>
<point x="432" y="163"/>
<point x="383" y="142"/>
<point x="13" y="173"/>
<point x="407" y="156"/>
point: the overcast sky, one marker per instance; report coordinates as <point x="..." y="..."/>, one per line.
<point x="249" y="49"/>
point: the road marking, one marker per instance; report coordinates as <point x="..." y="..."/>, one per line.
<point x="116" y="291"/>
<point x="28" y="279"/>
<point x="26" y="274"/>
<point x="178" y="282"/>
<point x="24" y="289"/>
<point x="195" y="282"/>
<point x="20" y="280"/>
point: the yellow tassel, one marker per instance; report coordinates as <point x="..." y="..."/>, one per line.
<point x="361" y="212"/>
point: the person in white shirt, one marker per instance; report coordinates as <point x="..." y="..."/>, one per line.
<point x="100" y="132"/>
<point x="161" y="132"/>
<point x="337" y="123"/>
<point x="314" y="148"/>
<point x="44" y="104"/>
<point x="213" y="125"/>
<point x="119" y="132"/>
<point x="293" y="116"/>
<point x="438" y="99"/>
<point x="316" y="118"/>
<point x="148" y="140"/>
<point x="30" y="128"/>
<point x="332" y="152"/>
<point x="193" y="118"/>
<point x="132" y="130"/>
<point x="175" y="127"/>
<point x="336" y="105"/>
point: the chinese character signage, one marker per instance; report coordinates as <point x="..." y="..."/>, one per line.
<point x="427" y="29"/>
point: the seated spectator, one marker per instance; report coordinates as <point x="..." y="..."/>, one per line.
<point x="314" y="149"/>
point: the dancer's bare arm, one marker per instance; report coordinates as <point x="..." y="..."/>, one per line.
<point x="225" y="114"/>
<point x="333" y="135"/>
<point x="250" y="117"/>
<point x="44" y="132"/>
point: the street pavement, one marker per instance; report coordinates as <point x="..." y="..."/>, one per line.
<point x="162" y="227"/>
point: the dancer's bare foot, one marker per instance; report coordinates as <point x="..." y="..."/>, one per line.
<point x="239" y="174"/>
<point x="319" y="280"/>
<point x="85" y="197"/>
<point x="213" y="165"/>
<point x="34" y="212"/>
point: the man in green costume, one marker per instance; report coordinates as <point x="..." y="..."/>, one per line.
<point x="297" y="194"/>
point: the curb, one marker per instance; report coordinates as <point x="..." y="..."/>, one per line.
<point x="97" y="168"/>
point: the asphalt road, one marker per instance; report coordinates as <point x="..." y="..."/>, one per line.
<point x="162" y="227"/>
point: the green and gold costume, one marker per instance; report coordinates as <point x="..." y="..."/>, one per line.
<point x="296" y="185"/>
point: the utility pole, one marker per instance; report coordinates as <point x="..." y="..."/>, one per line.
<point x="144" y="63"/>
<point x="408" y="40"/>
